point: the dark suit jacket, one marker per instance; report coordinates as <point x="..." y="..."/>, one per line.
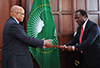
<point x="90" y="43"/>
<point x="15" y="52"/>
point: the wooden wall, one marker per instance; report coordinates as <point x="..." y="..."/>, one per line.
<point x="63" y="12"/>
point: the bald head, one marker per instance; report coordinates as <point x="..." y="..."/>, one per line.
<point x="16" y="8"/>
<point x="16" y="11"/>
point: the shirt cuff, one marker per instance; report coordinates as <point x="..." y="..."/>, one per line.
<point x="65" y="45"/>
<point x="73" y="48"/>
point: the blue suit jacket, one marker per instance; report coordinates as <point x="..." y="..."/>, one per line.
<point x="15" y="52"/>
<point x="90" y="43"/>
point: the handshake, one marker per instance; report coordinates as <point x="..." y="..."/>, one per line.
<point x="47" y="44"/>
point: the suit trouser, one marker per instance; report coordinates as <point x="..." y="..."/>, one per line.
<point x="84" y="63"/>
<point x="96" y="66"/>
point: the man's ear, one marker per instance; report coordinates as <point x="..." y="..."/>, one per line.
<point x="84" y="16"/>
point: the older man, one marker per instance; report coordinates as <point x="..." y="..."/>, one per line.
<point x="15" y="52"/>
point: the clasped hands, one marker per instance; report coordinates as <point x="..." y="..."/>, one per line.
<point x="68" y="48"/>
<point x="47" y="44"/>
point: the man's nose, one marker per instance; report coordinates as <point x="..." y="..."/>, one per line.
<point x="76" y="20"/>
<point x="23" y="16"/>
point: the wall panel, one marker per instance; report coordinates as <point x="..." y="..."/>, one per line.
<point x="15" y="2"/>
<point x="93" y="5"/>
<point x="67" y="27"/>
<point x="54" y="5"/>
<point x="56" y="20"/>
<point x="80" y="4"/>
<point x="4" y="15"/>
<point x="94" y="18"/>
<point x="67" y="5"/>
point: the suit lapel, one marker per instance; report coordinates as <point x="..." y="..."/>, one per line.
<point x="86" y="29"/>
<point x="79" y="32"/>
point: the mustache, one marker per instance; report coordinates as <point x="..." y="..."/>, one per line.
<point x="79" y="23"/>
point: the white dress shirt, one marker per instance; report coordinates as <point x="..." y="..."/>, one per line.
<point x="16" y="20"/>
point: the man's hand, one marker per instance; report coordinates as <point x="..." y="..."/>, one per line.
<point x="71" y="48"/>
<point x="68" y="48"/>
<point x="64" y="47"/>
<point x="47" y="44"/>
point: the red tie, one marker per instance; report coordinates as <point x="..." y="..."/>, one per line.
<point x="81" y="36"/>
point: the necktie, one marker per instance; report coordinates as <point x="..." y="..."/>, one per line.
<point x="81" y="35"/>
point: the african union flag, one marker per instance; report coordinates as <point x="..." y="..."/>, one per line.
<point x="41" y="25"/>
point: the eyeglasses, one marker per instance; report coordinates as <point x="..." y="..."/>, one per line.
<point x="21" y="13"/>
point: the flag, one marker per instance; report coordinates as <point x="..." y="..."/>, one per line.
<point x="41" y="25"/>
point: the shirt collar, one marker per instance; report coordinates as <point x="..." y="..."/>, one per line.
<point x="85" y="24"/>
<point x="16" y="20"/>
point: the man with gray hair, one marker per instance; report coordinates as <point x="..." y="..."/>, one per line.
<point x="15" y="52"/>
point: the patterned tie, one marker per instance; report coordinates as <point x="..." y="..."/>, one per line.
<point x="81" y="35"/>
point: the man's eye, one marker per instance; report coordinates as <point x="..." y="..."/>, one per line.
<point x="76" y="18"/>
